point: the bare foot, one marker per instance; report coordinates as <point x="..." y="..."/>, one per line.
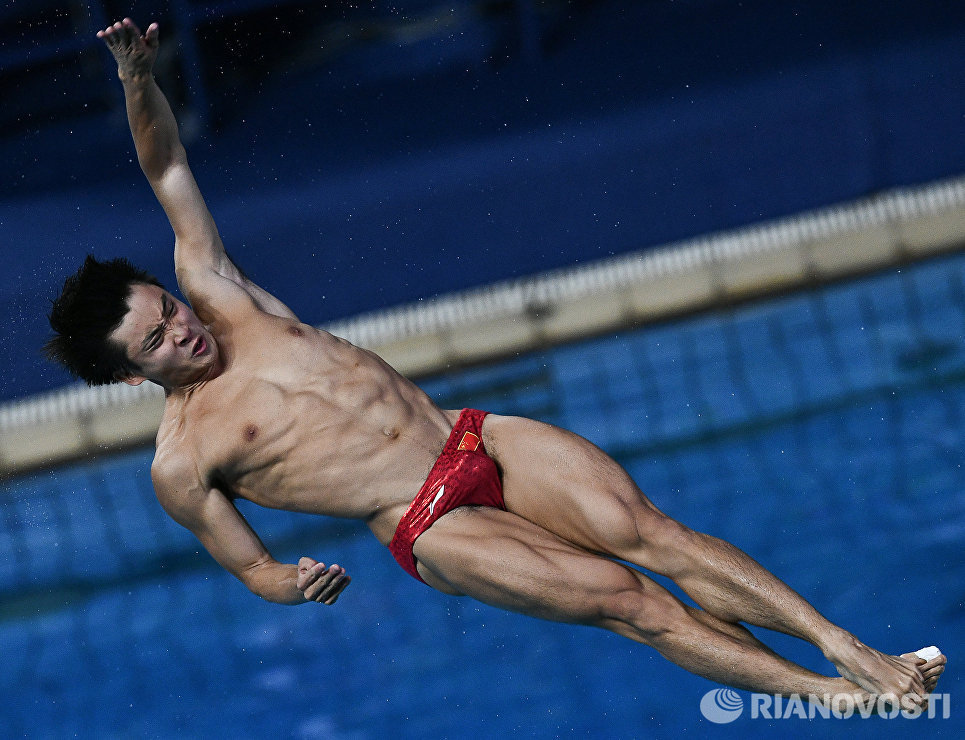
<point x="862" y="702"/>
<point x="931" y="670"/>
<point x="878" y="673"/>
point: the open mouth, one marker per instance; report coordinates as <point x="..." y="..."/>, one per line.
<point x="199" y="346"/>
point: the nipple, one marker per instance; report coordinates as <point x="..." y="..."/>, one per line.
<point x="390" y="432"/>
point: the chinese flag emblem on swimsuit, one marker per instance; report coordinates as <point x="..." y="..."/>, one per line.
<point x="469" y="442"/>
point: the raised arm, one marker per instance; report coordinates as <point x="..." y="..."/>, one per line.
<point x="204" y="271"/>
<point x="227" y="536"/>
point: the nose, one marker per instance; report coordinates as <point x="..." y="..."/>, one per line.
<point x="182" y="335"/>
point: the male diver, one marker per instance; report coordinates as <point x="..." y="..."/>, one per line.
<point x="512" y="512"/>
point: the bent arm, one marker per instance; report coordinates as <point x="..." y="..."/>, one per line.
<point x="231" y="541"/>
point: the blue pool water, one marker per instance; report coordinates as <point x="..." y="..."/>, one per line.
<point x="821" y="432"/>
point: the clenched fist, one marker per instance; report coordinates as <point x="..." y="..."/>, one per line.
<point x="319" y="583"/>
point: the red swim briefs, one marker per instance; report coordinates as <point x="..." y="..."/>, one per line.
<point x="464" y="475"/>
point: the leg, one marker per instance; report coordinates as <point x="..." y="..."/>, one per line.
<point x="579" y="493"/>
<point x="506" y="561"/>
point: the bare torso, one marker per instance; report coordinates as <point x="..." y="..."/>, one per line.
<point x="304" y="421"/>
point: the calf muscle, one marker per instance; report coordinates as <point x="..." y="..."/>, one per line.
<point x="505" y="561"/>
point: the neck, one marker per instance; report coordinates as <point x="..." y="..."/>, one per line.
<point x="187" y="388"/>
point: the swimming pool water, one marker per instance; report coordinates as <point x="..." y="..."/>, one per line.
<point x="821" y="432"/>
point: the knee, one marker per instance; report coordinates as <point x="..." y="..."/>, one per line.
<point x="649" y="614"/>
<point x="661" y="544"/>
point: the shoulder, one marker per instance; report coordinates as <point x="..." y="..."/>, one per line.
<point x="216" y="298"/>
<point x="178" y="484"/>
<point x="223" y="290"/>
<point x="167" y="466"/>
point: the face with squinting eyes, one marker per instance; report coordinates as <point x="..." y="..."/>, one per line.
<point x="164" y="338"/>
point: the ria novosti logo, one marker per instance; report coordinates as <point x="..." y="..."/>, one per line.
<point x="722" y="706"/>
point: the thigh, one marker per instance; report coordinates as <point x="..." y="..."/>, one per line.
<point x="566" y="484"/>
<point x="503" y="560"/>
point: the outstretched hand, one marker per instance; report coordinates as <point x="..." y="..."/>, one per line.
<point x="319" y="583"/>
<point x="135" y="53"/>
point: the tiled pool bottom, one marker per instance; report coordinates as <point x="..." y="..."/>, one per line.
<point x="821" y="433"/>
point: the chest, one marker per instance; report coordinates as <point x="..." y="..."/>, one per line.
<point x="279" y="413"/>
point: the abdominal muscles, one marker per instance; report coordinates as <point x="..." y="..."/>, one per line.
<point x="345" y="437"/>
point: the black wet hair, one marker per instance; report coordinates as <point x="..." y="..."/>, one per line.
<point x="92" y="305"/>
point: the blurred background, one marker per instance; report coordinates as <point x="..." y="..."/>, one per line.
<point x="359" y="157"/>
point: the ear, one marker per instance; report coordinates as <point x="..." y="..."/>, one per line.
<point x="129" y="378"/>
